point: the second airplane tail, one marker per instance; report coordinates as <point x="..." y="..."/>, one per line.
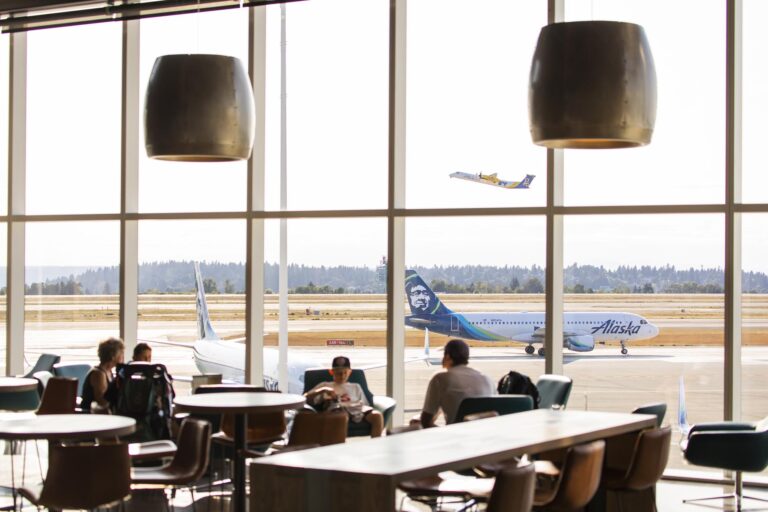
<point x="204" y="328"/>
<point x="421" y="298"/>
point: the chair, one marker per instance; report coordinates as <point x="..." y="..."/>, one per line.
<point x="42" y="378"/>
<point x="19" y="401"/>
<point x="503" y="404"/>
<point x="311" y="428"/>
<point x="554" y="390"/>
<point x="646" y="465"/>
<point x="658" y="409"/>
<point x="513" y="490"/>
<point x="77" y="478"/>
<point x="44" y="363"/>
<point x="76" y="370"/>
<point x="734" y="446"/>
<point x="59" y="396"/>
<point x="384" y="404"/>
<point x="573" y="485"/>
<point x="188" y="464"/>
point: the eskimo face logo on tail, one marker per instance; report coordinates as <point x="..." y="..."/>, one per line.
<point x="613" y="327"/>
<point x="419" y="298"/>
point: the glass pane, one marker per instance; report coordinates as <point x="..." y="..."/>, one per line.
<point x="72" y="284"/>
<point x="336" y="297"/>
<point x="3" y="292"/>
<point x="684" y="162"/>
<point x="468" y="103"/>
<point x="755" y="104"/>
<point x="495" y="297"/>
<point x="4" y="91"/>
<point x="73" y="119"/>
<point x="184" y="186"/>
<point x="167" y="303"/>
<point x="337" y="105"/>
<point x="754" y="312"/>
<point x="655" y="283"/>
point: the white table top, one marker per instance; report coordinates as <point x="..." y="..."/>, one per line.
<point x="65" y="426"/>
<point x="239" y="402"/>
<point x="414" y="454"/>
<point x="17" y="384"/>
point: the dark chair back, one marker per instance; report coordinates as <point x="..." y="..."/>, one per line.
<point x="192" y="454"/>
<point x="76" y="370"/>
<point x="77" y="480"/>
<point x="59" y="397"/>
<point x="554" y="390"/>
<point x="44" y="363"/>
<point x="321" y="429"/>
<point x="503" y="404"/>
<point x="658" y="409"/>
<point x="513" y="490"/>
<point x="263" y="427"/>
<point x="579" y="476"/>
<point x="314" y="377"/>
<point x="650" y="459"/>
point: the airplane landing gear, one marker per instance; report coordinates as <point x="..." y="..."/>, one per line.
<point x="542" y="352"/>
<point x="624" y="350"/>
<point x="529" y="350"/>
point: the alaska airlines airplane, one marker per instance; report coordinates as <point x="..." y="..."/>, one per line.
<point x="581" y="330"/>
<point x="492" y="179"/>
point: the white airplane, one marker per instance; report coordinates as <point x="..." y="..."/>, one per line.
<point x="494" y="180"/>
<point x="580" y="330"/>
<point x="227" y="357"/>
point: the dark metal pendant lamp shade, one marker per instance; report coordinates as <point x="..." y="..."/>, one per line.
<point x="592" y="85"/>
<point x="199" y="108"/>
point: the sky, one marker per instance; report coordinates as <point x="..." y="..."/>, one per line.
<point x="467" y="72"/>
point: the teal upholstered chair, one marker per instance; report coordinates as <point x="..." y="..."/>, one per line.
<point x="44" y="363"/>
<point x="553" y="390"/>
<point x="76" y="370"/>
<point x="503" y="404"/>
<point x="384" y="404"/>
<point x="730" y="445"/>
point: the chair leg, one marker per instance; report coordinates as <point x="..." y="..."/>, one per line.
<point x="737" y="496"/>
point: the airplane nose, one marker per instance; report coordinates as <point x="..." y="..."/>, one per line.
<point x="654" y="331"/>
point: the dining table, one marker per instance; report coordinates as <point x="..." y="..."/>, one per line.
<point x="17" y="384"/>
<point x="364" y="475"/>
<point x="240" y="405"/>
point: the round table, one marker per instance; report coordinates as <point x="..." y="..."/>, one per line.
<point x="66" y="426"/>
<point x="239" y="405"/>
<point x="17" y="384"/>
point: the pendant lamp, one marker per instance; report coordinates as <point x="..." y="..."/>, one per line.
<point x="592" y="85"/>
<point x="199" y="108"/>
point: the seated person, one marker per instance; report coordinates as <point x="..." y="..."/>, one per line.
<point x="142" y="353"/>
<point x="346" y="395"/>
<point x="447" y="389"/>
<point x="97" y="382"/>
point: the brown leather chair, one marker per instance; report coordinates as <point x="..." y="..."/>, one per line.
<point x="574" y="484"/>
<point x="59" y="396"/>
<point x="640" y="470"/>
<point x="188" y="464"/>
<point x="513" y="490"/>
<point x="77" y="478"/>
<point x="311" y="428"/>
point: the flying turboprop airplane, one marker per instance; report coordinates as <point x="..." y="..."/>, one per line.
<point x="581" y="330"/>
<point x="492" y="179"/>
<point x="227" y="357"/>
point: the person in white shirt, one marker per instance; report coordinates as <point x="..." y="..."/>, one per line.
<point x="447" y="389"/>
<point x="346" y="395"/>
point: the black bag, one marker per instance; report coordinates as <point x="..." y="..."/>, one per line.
<point x="145" y="393"/>
<point x="515" y="383"/>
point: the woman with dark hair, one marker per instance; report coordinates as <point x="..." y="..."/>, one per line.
<point x="99" y="378"/>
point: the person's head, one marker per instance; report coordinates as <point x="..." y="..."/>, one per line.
<point x="455" y="352"/>
<point x="142" y="352"/>
<point x="419" y="298"/>
<point x="111" y="351"/>
<point x="341" y="369"/>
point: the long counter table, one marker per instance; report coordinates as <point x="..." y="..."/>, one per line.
<point x="363" y="475"/>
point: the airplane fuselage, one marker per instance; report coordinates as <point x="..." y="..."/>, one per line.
<point x="580" y="330"/>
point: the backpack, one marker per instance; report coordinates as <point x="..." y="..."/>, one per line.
<point x="144" y="392"/>
<point x="515" y="383"/>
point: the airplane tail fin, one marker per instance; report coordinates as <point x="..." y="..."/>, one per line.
<point x="421" y="298"/>
<point x="204" y="328"/>
<point x="527" y="180"/>
<point x="682" y="413"/>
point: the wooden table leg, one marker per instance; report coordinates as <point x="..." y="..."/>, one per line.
<point x="238" y="482"/>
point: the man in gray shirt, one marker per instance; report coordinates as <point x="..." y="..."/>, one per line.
<point x="447" y="389"/>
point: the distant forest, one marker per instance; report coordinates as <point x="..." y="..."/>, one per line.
<point x="178" y="277"/>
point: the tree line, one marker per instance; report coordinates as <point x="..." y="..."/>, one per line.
<point x="178" y="277"/>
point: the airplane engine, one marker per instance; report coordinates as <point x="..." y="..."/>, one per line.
<point x="583" y="343"/>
